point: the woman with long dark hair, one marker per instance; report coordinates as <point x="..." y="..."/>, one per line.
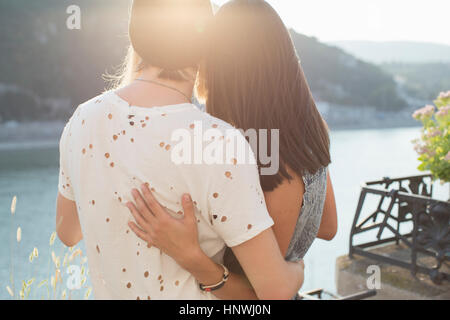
<point x="251" y="77"/>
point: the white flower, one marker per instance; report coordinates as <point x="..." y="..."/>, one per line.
<point x="444" y="95"/>
<point x="434" y="133"/>
<point x="443" y="112"/>
<point x="426" y="111"/>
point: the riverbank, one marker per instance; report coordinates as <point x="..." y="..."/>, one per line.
<point x="14" y="133"/>
<point x="341" y="117"/>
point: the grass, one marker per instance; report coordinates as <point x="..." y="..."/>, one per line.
<point x="67" y="271"/>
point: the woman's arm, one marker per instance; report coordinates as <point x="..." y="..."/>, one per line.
<point x="270" y="279"/>
<point x="206" y="271"/>
<point x="329" y="224"/>
<point x="269" y="274"/>
<point x="68" y="225"/>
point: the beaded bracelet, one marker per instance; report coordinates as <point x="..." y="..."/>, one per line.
<point x="219" y="285"/>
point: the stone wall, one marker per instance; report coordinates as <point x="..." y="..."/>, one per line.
<point x="396" y="283"/>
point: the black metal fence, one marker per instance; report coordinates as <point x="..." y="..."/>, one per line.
<point x="398" y="202"/>
<point x="320" y="294"/>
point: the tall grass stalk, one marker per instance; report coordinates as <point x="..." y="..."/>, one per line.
<point x="57" y="268"/>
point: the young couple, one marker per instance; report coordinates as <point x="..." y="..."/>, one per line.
<point x="154" y="229"/>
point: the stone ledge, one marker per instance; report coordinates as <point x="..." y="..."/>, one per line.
<point x="396" y="283"/>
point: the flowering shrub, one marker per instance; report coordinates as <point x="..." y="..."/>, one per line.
<point x="434" y="144"/>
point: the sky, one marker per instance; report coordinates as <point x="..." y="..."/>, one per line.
<point x="369" y="20"/>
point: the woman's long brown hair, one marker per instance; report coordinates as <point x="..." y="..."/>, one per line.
<point x="252" y="78"/>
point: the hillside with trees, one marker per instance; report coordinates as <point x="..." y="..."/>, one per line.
<point x="339" y="78"/>
<point x="421" y="80"/>
<point x="397" y="51"/>
<point x="46" y="69"/>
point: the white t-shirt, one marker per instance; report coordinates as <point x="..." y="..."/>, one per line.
<point x="108" y="148"/>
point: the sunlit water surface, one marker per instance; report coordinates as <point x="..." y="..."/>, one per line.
<point x="30" y="171"/>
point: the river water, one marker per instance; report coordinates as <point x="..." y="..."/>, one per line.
<point x="30" y="171"/>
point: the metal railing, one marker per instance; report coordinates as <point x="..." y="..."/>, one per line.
<point x="401" y="201"/>
<point x="319" y="294"/>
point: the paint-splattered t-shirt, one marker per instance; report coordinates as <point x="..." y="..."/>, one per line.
<point x="109" y="147"/>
